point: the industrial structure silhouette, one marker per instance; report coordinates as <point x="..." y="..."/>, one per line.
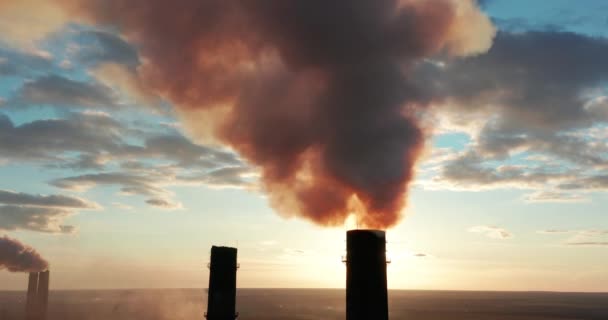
<point x="37" y="295"/>
<point x="366" y="281"/>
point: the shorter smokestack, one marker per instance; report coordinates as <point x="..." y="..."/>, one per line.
<point x="31" y="299"/>
<point x="366" y="293"/>
<point x="43" y="294"/>
<point x="221" y="300"/>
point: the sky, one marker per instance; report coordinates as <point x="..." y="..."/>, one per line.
<point x="129" y="145"/>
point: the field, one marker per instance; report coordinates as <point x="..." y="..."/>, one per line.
<point x="270" y="304"/>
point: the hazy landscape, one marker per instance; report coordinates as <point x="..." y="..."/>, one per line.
<point x="267" y="304"/>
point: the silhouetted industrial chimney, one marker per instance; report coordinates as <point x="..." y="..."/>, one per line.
<point x="43" y="294"/>
<point x="30" y="302"/>
<point x="37" y="295"/>
<point x="366" y="293"/>
<point x="221" y="300"/>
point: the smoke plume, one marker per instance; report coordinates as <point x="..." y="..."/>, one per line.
<point x="314" y="92"/>
<point x="18" y="257"/>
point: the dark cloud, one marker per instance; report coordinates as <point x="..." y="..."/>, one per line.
<point x="60" y="201"/>
<point x="19" y="63"/>
<point x="18" y="257"/>
<point x="61" y="92"/>
<point x="226" y="177"/>
<point x="595" y="183"/>
<point x="530" y="91"/>
<point x="185" y="153"/>
<point x="130" y="183"/>
<point x="93" y="140"/>
<point x="104" y="47"/>
<point x="519" y="25"/>
<point x="85" y="162"/>
<point x="163" y="203"/>
<point x="468" y="170"/>
<point x="151" y="182"/>
<point x="532" y="94"/>
<point x="47" y="140"/>
<point x="40" y="219"/>
<point x="98" y="139"/>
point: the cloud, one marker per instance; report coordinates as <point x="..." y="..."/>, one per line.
<point x="535" y="121"/>
<point x="468" y="170"/>
<point x="40" y="219"/>
<point x="527" y="90"/>
<point x="92" y="140"/>
<point x="554" y="231"/>
<point x="226" y="177"/>
<point x="59" y="201"/>
<point x="104" y="47"/>
<point x="580" y="238"/>
<point x="42" y="213"/>
<point x="129" y="183"/>
<point x="164" y="204"/>
<point x="555" y="196"/>
<point x="22" y="63"/>
<point x="185" y="153"/>
<point x="122" y="206"/>
<point x="152" y="182"/>
<point x="47" y="140"/>
<point x="597" y="183"/>
<point x="61" y="92"/>
<point x="128" y="82"/>
<point x="491" y="232"/>
<point x="586" y="233"/>
<point x="589" y="244"/>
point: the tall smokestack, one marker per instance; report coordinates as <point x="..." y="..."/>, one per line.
<point x="366" y="293"/>
<point x="31" y="302"/>
<point x="221" y="301"/>
<point x="37" y="295"/>
<point x="43" y="294"/>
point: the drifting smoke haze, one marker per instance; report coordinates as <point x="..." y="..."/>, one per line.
<point x="315" y="93"/>
<point x="18" y="257"/>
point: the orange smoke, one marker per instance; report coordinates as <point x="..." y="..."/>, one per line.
<point x="313" y="92"/>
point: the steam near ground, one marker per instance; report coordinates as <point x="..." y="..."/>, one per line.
<point x="308" y="304"/>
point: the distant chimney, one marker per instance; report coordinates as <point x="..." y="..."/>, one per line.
<point x="221" y="301"/>
<point x="32" y="295"/>
<point x="366" y="293"/>
<point x="37" y="295"/>
<point x="43" y="294"/>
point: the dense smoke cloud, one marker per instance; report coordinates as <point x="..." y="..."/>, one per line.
<point x="18" y="257"/>
<point x="315" y="93"/>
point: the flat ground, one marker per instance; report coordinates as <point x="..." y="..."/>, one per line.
<point x="270" y="304"/>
